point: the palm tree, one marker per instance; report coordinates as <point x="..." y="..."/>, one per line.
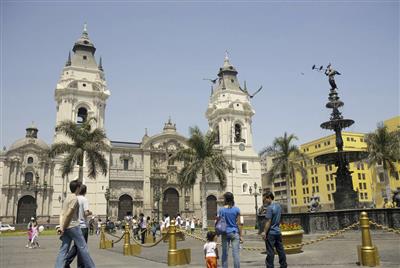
<point x="286" y="161"/>
<point x="86" y="143"/>
<point x="383" y="149"/>
<point x="201" y="158"/>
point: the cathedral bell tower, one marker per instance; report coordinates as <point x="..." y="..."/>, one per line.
<point x="230" y="114"/>
<point x="81" y="92"/>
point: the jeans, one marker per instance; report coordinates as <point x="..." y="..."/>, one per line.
<point x="233" y="239"/>
<point x="275" y="240"/>
<point x="69" y="235"/>
<point x="74" y="251"/>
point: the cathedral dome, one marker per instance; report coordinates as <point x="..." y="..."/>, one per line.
<point x="30" y="138"/>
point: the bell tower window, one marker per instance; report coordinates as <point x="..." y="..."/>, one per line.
<point x="238" y="133"/>
<point x="216" y="129"/>
<point x="82" y="115"/>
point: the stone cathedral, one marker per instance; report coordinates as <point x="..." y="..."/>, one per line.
<point x="141" y="177"/>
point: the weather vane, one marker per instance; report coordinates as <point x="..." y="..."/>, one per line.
<point x="330" y="72"/>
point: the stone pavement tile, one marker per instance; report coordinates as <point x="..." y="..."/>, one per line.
<point x="337" y="252"/>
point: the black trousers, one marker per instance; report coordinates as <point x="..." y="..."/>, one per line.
<point x="275" y="241"/>
<point x="74" y="251"/>
<point x="143" y="234"/>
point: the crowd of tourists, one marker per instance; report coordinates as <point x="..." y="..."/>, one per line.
<point x="75" y="227"/>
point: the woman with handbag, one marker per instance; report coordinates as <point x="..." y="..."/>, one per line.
<point x="227" y="225"/>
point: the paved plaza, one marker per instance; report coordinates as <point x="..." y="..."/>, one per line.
<point x="336" y="252"/>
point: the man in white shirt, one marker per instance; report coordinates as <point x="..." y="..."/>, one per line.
<point x="166" y="221"/>
<point x="83" y="213"/>
<point x="178" y="220"/>
<point x="69" y="229"/>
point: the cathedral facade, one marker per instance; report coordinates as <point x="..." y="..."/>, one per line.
<point x="141" y="176"/>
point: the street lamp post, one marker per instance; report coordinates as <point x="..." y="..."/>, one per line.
<point x="157" y="197"/>
<point x="107" y="196"/>
<point x="257" y="191"/>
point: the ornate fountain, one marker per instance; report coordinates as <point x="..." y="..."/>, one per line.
<point x="345" y="197"/>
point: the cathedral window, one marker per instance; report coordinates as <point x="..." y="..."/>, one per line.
<point x="126" y="164"/>
<point x="238" y="133"/>
<point x="245" y="188"/>
<point x="216" y="129"/>
<point x="28" y="178"/>
<point x="244" y="167"/>
<point x="171" y="161"/>
<point x="82" y="115"/>
<point x="30" y="160"/>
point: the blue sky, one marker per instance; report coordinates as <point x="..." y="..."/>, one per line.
<point x="155" y="55"/>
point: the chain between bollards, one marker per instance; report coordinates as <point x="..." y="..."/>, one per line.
<point x="385" y="228"/>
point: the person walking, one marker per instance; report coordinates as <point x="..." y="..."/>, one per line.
<point x="143" y="227"/>
<point x="192" y="225"/>
<point x="211" y="250"/>
<point x="98" y="229"/>
<point x="167" y="221"/>
<point x="69" y="229"/>
<point x="83" y="213"/>
<point x="233" y="234"/>
<point x="272" y="233"/>
<point x="178" y="220"/>
<point x="35" y="236"/>
<point x="29" y="227"/>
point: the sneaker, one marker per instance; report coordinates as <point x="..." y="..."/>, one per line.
<point x="26" y="245"/>
<point x="30" y="247"/>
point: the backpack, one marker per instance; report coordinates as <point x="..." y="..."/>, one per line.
<point x="220" y="225"/>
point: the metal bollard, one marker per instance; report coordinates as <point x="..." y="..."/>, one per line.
<point x="102" y="236"/>
<point x="367" y="253"/>
<point x="127" y="246"/>
<point x="172" y="252"/>
<point x="176" y="256"/>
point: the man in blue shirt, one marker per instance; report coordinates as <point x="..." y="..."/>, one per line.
<point x="272" y="232"/>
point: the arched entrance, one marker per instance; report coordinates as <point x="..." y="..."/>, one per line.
<point x="125" y="206"/>
<point x="211" y="207"/>
<point x="170" y="202"/>
<point x="26" y="209"/>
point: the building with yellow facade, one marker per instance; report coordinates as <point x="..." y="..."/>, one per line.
<point x="320" y="183"/>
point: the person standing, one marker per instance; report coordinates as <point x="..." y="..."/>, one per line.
<point x="272" y="233"/>
<point x="166" y="221"/>
<point x="387" y="203"/>
<point x="69" y="229"/>
<point x="29" y="227"/>
<point x="233" y="235"/>
<point x="83" y="213"/>
<point x="178" y="221"/>
<point x="98" y="229"/>
<point x="143" y="227"/>
<point x="211" y="250"/>
<point x="35" y="236"/>
<point x="192" y="225"/>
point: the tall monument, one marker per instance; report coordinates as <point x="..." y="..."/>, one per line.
<point x="345" y="197"/>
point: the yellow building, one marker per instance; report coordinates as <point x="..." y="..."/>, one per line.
<point x="320" y="181"/>
<point x="392" y="124"/>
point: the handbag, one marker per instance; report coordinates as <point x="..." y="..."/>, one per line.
<point x="220" y="225"/>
